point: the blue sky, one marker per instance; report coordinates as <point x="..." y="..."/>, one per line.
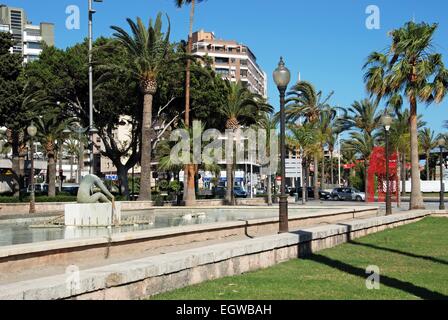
<point x="325" y="40"/>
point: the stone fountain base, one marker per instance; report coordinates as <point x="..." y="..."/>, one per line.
<point x="92" y="214"/>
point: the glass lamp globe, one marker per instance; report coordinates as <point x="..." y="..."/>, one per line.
<point x="282" y="76"/>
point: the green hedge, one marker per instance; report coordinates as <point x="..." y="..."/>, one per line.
<point x="58" y="198"/>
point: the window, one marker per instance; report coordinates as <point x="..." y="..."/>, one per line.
<point x="222" y="71"/>
<point x="32" y="32"/>
<point x="32" y="58"/>
<point x="34" y="45"/>
<point x="221" y="60"/>
<point x="243" y="73"/>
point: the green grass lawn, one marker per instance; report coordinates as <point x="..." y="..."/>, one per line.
<point x="413" y="262"/>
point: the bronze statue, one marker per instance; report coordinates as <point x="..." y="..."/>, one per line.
<point x="85" y="191"/>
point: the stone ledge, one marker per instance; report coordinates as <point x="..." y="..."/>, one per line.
<point x="31" y="248"/>
<point x="157" y="267"/>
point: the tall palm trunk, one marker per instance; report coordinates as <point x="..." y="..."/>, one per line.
<point x="71" y="167"/>
<point x="322" y="174"/>
<point x="269" y="189"/>
<point x="51" y="174"/>
<point x="366" y="179"/>
<point x="403" y="174"/>
<point x="189" y="189"/>
<point x="307" y="179"/>
<point x="331" y="167"/>
<point x="304" y="180"/>
<point x="416" y="201"/>
<point x="428" y="174"/>
<point x="145" y="175"/>
<point x="398" y="179"/>
<point x="316" y="173"/>
<point x="229" y="188"/>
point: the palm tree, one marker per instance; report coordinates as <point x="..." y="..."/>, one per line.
<point x="71" y="145"/>
<point x="417" y="72"/>
<point x="305" y="137"/>
<point x="50" y="130"/>
<point x="267" y="122"/>
<point x="363" y="115"/>
<point x="362" y="143"/>
<point x="189" y="195"/>
<point x="427" y="142"/>
<point x="147" y="50"/>
<point x="242" y="107"/>
<point x="305" y="102"/>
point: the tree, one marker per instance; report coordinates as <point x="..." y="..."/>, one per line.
<point x="413" y="69"/>
<point x="362" y="143"/>
<point x="305" y="137"/>
<point x="267" y="122"/>
<point x="305" y="102"/>
<point x="189" y="195"/>
<point x="428" y="142"/>
<point x="147" y="49"/>
<point x="50" y="132"/>
<point x="241" y="107"/>
<point x="12" y="112"/>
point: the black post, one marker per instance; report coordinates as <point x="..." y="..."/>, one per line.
<point x="32" y="194"/>
<point x="442" y="185"/>
<point x="283" y="205"/>
<point x="388" y="202"/>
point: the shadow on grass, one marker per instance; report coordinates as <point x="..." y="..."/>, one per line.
<point x="412" y="255"/>
<point x="305" y="251"/>
<point x="385" y="280"/>
<point x="408" y="254"/>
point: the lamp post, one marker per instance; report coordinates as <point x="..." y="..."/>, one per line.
<point x="92" y="131"/>
<point x="387" y="121"/>
<point x="282" y="76"/>
<point x="441" y="143"/>
<point x="32" y="131"/>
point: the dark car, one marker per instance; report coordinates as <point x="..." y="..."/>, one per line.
<point x="349" y="194"/>
<point x="71" y="189"/>
<point x="310" y="190"/>
<point x="238" y="191"/>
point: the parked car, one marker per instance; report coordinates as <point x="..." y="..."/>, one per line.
<point x="39" y="189"/>
<point x="238" y="191"/>
<point x="350" y="194"/>
<point x="324" y="195"/>
<point x="72" y="189"/>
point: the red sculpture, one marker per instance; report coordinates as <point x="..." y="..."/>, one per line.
<point x="377" y="167"/>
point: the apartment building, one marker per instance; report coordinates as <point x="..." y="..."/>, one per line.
<point x="28" y="37"/>
<point x="232" y="60"/>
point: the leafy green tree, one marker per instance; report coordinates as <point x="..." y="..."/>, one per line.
<point x="12" y="114"/>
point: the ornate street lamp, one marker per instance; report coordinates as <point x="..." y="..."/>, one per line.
<point x="387" y="122"/>
<point x="32" y="131"/>
<point x="441" y="143"/>
<point x="282" y="76"/>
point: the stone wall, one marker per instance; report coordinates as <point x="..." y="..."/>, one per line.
<point x="152" y="275"/>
